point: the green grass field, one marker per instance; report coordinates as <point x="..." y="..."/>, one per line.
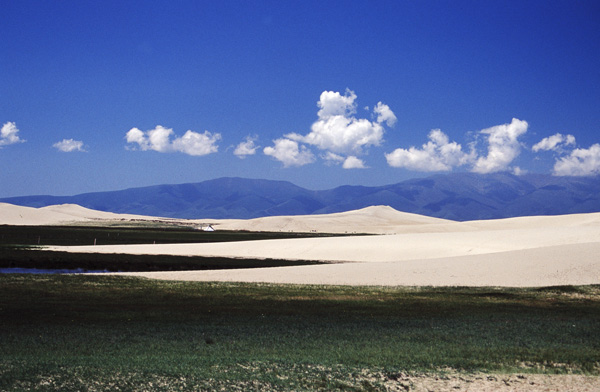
<point x="88" y="332"/>
<point x="97" y="333"/>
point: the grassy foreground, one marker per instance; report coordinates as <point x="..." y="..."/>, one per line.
<point x="81" y="332"/>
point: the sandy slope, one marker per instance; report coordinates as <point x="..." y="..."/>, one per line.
<point x="60" y="214"/>
<point x="546" y="266"/>
<point x="528" y="251"/>
<point x="373" y="220"/>
<point x="376" y="220"/>
<point x="17" y="215"/>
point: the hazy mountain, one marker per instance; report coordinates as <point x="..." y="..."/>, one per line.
<point x="458" y="196"/>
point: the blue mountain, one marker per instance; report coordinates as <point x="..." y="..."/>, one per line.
<point x="457" y="196"/>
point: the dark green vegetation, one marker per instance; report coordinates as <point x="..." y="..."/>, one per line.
<point x="50" y="260"/>
<point x="16" y="243"/>
<point x="90" y="235"/>
<point x="74" y="332"/>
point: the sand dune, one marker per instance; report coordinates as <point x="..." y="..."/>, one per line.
<point x="58" y="214"/>
<point x="527" y="251"/>
<point x="27" y="216"/>
<point x="548" y="266"/>
<point x="375" y="220"/>
<point x="372" y="220"/>
<point x="66" y="214"/>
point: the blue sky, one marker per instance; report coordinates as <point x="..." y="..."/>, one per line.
<point x="105" y="95"/>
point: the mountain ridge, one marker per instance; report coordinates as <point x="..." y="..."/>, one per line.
<point x="455" y="196"/>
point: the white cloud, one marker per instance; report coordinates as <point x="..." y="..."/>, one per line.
<point x="517" y="171"/>
<point x="385" y="114"/>
<point x="332" y="103"/>
<point x="580" y="162"/>
<point x="338" y="131"/>
<point x="290" y="153"/>
<point x="350" y="162"/>
<point x="9" y="134"/>
<point x="353" y="162"/>
<point x="332" y="158"/>
<point x="69" y="145"/>
<point x="137" y="136"/>
<point x="246" y="147"/>
<point x="503" y="146"/>
<point x="197" y="144"/>
<point x="159" y="139"/>
<point x="436" y="155"/>
<point x="554" y="143"/>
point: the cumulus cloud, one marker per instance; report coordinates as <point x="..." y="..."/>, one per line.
<point x="136" y="135"/>
<point x="9" y="134"/>
<point x="580" y="162"/>
<point x="339" y="131"/>
<point x="290" y="153"/>
<point x="350" y="162"/>
<point x="246" y="147"/>
<point x="69" y="145"/>
<point x="197" y="144"/>
<point x="385" y="114"/>
<point x="555" y="143"/>
<point x="353" y="162"/>
<point x="503" y="146"/>
<point x="159" y="139"/>
<point x="332" y="103"/>
<point x="439" y="154"/>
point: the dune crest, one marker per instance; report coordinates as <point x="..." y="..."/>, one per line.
<point x="62" y="214"/>
<point x="369" y="220"/>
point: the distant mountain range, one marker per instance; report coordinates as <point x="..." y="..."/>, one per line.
<point x="456" y="196"/>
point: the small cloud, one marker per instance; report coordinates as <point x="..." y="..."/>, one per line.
<point x="156" y="139"/>
<point x="353" y="162"/>
<point x="503" y="146"/>
<point x="580" y="162"/>
<point x="9" y="134"/>
<point x="290" y="153"/>
<point x="385" y="114"/>
<point x="197" y="144"/>
<point x="159" y="139"/>
<point x="69" y="145"/>
<point x="137" y="136"/>
<point x="332" y="159"/>
<point x="246" y="147"/>
<point x="517" y="171"/>
<point x="554" y="143"/>
<point x="436" y="155"/>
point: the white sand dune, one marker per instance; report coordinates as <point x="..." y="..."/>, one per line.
<point x="27" y="216"/>
<point x="65" y="214"/>
<point x="526" y="251"/>
<point x="548" y="266"/>
<point x="374" y="220"/>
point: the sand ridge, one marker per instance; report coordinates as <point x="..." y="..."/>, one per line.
<point x="62" y="214"/>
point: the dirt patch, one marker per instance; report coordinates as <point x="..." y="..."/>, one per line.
<point x="486" y="382"/>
